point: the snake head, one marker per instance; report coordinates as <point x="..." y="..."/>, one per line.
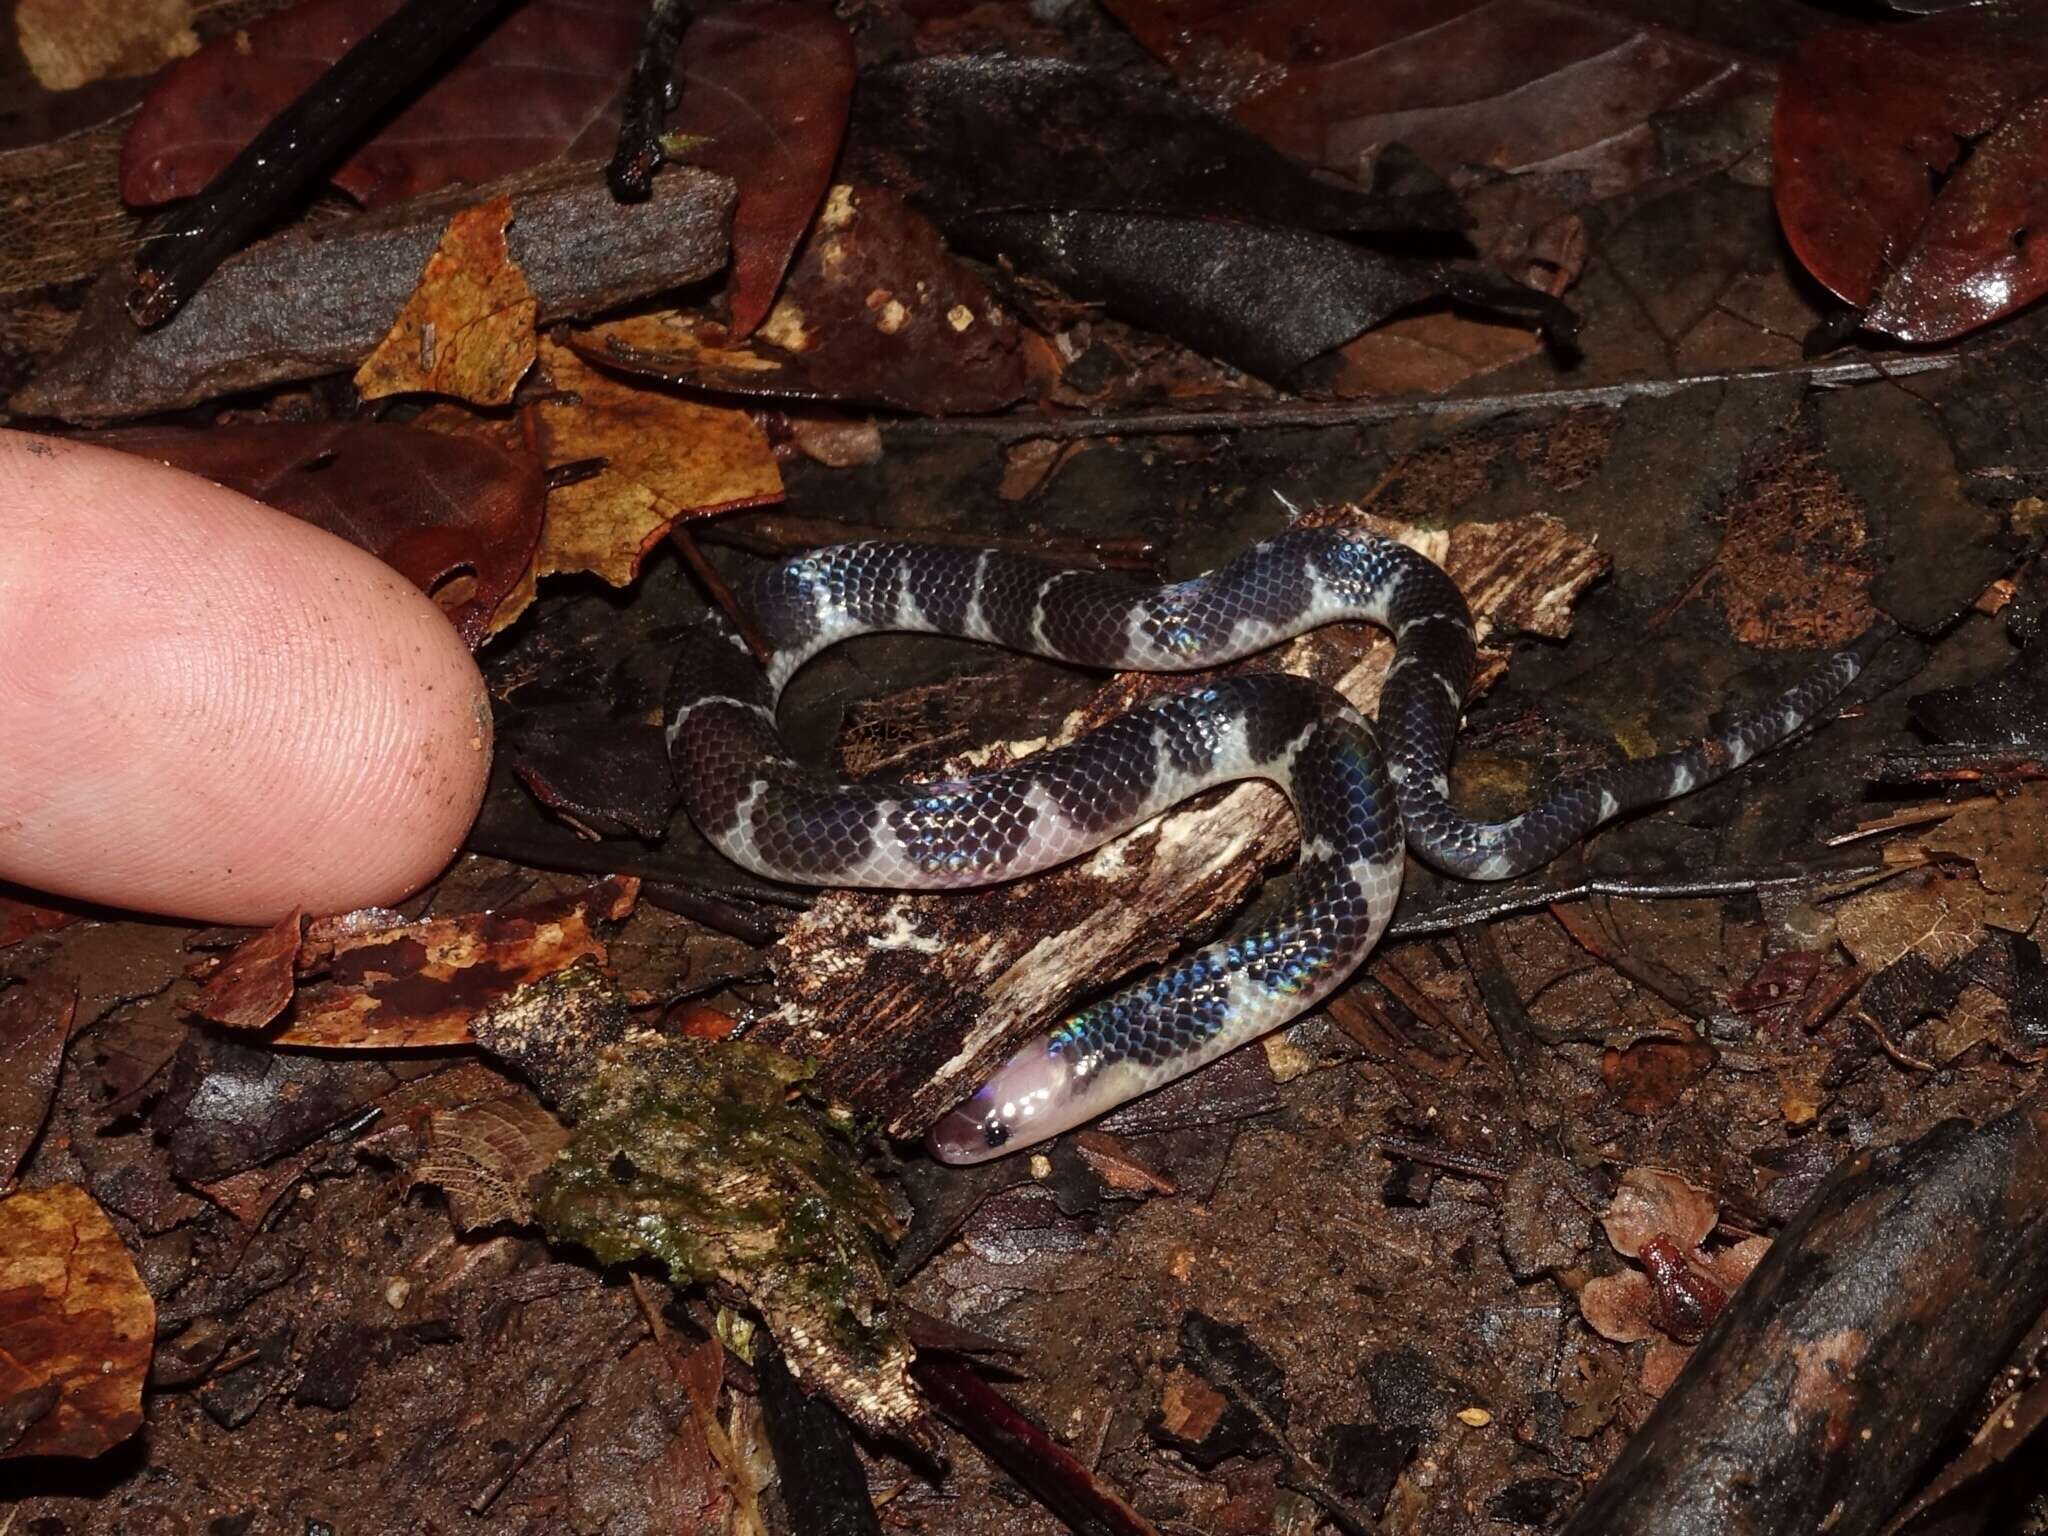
<point x="1024" y="1103"/>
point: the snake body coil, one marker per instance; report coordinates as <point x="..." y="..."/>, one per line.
<point x="1359" y="791"/>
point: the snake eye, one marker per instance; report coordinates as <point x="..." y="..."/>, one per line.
<point x="995" y="1133"/>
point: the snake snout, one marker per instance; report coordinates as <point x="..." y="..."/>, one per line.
<point x="972" y="1133"/>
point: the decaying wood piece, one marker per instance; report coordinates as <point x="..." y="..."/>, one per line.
<point x="906" y="999"/>
<point x="317" y="300"/>
<point x="1856" y="1350"/>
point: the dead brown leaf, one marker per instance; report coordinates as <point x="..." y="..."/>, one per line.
<point x="1978" y="1014"/>
<point x="254" y="984"/>
<point x="1426" y="355"/>
<point x="2006" y="838"/>
<point x="1935" y="916"/>
<point x="35" y="1021"/>
<point x="388" y="985"/>
<point x="69" y="43"/>
<point x="484" y="1157"/>
<point x="1653" y="1203"/>
<point x="76" y="1326"/>
<point x="665" y="458"/>
<point x="1652" y="1075"/>
<point x="468" y="329"/>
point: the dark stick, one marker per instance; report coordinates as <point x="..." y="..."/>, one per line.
<point x="775" y="534"/>
<point x="1960" y="765"/>
<point x="649" y="95"/>
<point x="1052" y="1473"/>
<point x="1857" y="1350"/>
<point x="824" y="1486"/>
<point x="296" y="148"/>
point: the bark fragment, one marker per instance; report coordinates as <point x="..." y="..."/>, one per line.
<point x="318" y="300"/>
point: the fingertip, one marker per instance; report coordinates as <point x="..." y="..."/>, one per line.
<point x="214" y="711"/>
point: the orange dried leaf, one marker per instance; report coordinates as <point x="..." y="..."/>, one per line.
<point x="254" y="984"/>
<point x="76" y="1326"/>
<point x="665" y="458"/>
<point x="402" y="985"/>
<point x="467" y="331"/>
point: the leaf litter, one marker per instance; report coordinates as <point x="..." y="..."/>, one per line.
<point x="1184" y="1217"/>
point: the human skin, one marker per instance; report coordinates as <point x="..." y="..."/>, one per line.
<point x="211" y="710"/>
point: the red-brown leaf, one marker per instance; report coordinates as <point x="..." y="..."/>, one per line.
<point x="21" y="919"/>
<point x="1513" y="85"/>
<point x="432" y="506"/>
<point x="254" y="984"/>
<point x="1868" y="123"/>
<point x="880" y="311"/>
<point x="544" y="83"/>
<point x="769" y="85"/>
<point x="400" y="985"/>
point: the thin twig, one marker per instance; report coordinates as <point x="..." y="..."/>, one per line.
<point x="280" y="166"/>
<point x="781" y="533"/>
<point x="649" y="95"/>
<point x="1452" y="915"/>
<point x="721" y="594"/>
<point x="1304" y="413"/>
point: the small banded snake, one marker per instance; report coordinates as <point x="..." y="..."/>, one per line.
<point x="1361" y="790"/>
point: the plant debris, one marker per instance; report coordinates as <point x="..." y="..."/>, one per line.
<point x="76" y="1326"/>
<point x="467" y="331"/>
<point x="692" y="1153"/>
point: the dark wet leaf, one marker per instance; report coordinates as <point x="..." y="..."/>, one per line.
<point x="1521" y="86"/>
<point x="227" y="1106"/>
<point x="768" y="87"/>
<point x="21" y="919"/>
<point x="875" y="311"/>
<point x="1534" y="1500"/>
<point x="431" y="506"/>
<point x="607" y="776"/>
<point x="76" y="1326"/>
<point x="1266" y="300"/>
<point x="2009" y="708"/>
<point x="542" y="84"/>
<point x="35" y="1021"/>
<point x="823" y="1481"/>
<point x="1908" y="166"/>
<point x="254" y="984"/>
<point x="1366" y="1459"/>
<point x="966" y="134"/>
